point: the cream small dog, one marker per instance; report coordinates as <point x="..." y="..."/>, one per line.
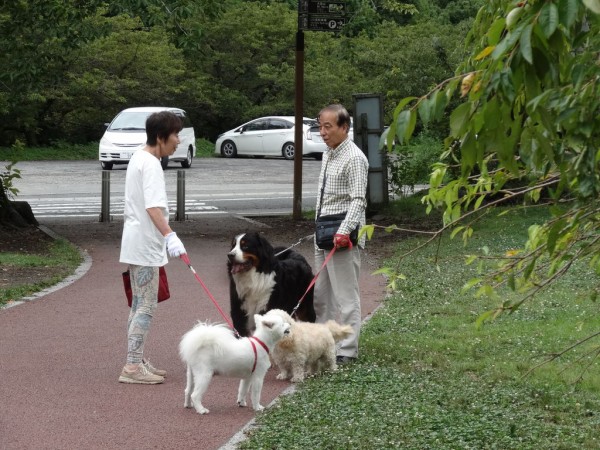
<point x="308" y="349"/>
<point x="209" y="350"/>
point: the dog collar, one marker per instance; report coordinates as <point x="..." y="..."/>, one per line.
<point x="252" y="339"/>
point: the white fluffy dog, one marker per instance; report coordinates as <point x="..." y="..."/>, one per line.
<point x="308" y="348"/>
<point x="213" y="349"/>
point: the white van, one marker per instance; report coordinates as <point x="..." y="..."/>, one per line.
<point x="127" y="133"/>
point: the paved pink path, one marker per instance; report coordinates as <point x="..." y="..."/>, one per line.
<point x="60" y="355"/>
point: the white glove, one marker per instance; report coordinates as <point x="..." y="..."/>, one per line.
<point x="174" y="245"/>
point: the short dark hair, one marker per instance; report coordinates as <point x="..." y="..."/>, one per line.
<point x="343" y="117"/>
<point x="161" y="125"/>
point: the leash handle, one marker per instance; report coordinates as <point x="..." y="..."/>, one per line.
<point x="313" y="281"/>
<point x="185" y="258"/>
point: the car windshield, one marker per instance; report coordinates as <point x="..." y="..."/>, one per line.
<point x="129" y="121"/>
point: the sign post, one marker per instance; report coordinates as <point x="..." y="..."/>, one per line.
<point x="313" y="15"/>
<point x="298" y="128"/>
<point x="319" y="15"/>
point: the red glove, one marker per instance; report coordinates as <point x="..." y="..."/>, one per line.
<point x="342" y="241"/>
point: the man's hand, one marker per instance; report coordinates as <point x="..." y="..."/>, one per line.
<point x="342" y="241"/>
<point x="175" y="247"/>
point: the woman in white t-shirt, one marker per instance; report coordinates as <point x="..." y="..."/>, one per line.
<point x="147" y="237"/>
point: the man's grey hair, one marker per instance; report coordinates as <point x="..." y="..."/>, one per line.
<point x="343" y="117"/>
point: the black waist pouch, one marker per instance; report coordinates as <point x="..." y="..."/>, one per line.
<point x="327" y="226"/>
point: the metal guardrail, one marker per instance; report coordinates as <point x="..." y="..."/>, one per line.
<point x="105" y="207"/>
<point x="105" y="216"/>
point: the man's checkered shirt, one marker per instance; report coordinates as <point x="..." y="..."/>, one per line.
<point x="345" y="171"/>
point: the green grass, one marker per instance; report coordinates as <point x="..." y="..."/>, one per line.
<point x="61" y="255"/>
<point x="428" y="378"/>
<point x="205" y="148"/>
<point x="64" y="151"/>
<point x="59" y="151"/>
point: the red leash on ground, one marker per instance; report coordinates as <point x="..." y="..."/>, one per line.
<point x="187" y="261"/>
<point x="312" y="283"/>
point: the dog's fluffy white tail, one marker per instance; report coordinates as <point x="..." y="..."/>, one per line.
<point x="199" y="337"/>
<point x="339" y="332"/>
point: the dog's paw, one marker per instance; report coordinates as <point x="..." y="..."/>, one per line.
<point x="281" y="376"/>
<point x="259" y="407"/>
<point x="202" y="410"/>
<point x="242" y="403"/>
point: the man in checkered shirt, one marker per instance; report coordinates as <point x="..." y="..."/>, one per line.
<point x="344" y="172"/>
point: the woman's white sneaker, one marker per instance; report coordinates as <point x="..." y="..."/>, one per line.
<point x="140" y="376"/>
<point x="154" y="370"/>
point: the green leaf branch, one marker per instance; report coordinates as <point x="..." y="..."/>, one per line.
<point x="523" y="126"/>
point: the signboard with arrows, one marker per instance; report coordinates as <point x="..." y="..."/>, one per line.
<point x="319" y="15"/>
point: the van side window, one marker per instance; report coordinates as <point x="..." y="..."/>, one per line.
<point x="187" y="123"/>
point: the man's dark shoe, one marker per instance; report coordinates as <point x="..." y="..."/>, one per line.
<point x="344" y="359"/>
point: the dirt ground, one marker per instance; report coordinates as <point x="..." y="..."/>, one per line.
<point x="30" y="240"/>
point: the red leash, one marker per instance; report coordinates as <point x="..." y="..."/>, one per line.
<point x="312" y="283"/>
<point x="186" y="260"/>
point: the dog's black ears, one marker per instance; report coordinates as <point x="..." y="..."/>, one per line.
<point x="262" y="241"/>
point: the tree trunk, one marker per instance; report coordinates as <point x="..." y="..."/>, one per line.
<point x="15" y="214"/>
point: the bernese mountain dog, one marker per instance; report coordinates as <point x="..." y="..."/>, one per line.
<point x="264" y="278"/>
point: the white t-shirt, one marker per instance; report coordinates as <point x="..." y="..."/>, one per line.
<point x="142" y="244"/>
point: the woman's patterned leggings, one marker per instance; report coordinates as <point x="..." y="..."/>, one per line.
<point x="144" y="288"/>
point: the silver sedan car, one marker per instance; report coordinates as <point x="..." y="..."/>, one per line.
<point x="269" y="136"/>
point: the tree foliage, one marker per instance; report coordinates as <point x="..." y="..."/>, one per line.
<point x="42" y="43"/>
<point x="68" y="67"/>
<point x="131" y="65"/>
<point x="526" y="127"/>
<point x="251" y="73"/>
<point x="36" y="39"/>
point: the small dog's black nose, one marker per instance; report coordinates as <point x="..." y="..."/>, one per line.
<point x="231" y="256"/>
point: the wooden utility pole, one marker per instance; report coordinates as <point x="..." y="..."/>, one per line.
<point x="313" y="15"/>
<point x="299" y="128"/>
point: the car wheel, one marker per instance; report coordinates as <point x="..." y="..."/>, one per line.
<point x="228" y="149"/>
<point x="164" y="162"/>
<point x="106" y="165"/>
<point x="188" y="161"/>
<point x="288" y="150"/>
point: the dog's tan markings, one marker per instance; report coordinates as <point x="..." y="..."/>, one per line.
<point x="252" y="258"/>
<point x="286" y="344"/>
<point x="249" y="259"/>
<point x="238" y="259"/>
